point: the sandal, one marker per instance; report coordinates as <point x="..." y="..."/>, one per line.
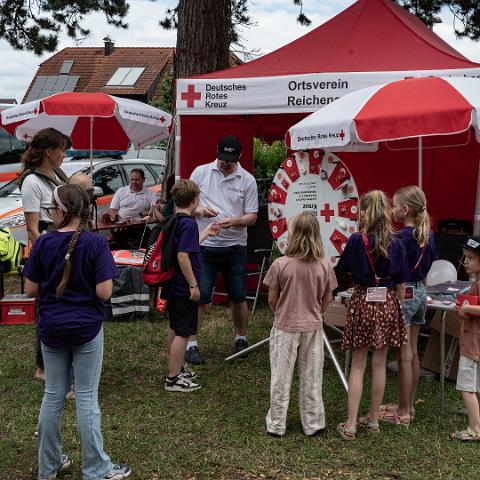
<point x="393" y="406"/>
<point x="372" y="427"/>
<point x="392" y="416"/>
<point x="346" y="433"/>
<point x="467" y="435"/>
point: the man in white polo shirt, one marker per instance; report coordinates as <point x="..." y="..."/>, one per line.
<point x="134" y="200"/>
<point x="230" y="192"/>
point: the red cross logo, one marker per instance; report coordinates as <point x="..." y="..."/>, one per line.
<point x="342" y="134"/>
<point x="327" y="212"/>
<point x="25" y="136"/>
<point x="35" y="111"/>
<point x="190" y="96"/>
<point x="162" y="119"/>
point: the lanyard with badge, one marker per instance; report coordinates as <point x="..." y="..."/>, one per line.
<point x="376" y="293"/>
<point x="409" y="291"/>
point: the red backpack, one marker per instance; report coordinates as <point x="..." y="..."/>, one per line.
<point x="159" y="262"/>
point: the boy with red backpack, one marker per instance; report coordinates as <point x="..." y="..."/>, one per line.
<point x="184" y="292"/>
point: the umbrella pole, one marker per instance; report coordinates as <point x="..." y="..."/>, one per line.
<point x="91" y="147"/>
<point x="420" y="161"/>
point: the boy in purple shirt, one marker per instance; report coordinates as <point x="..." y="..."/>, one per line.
<point x="184" y="291"/>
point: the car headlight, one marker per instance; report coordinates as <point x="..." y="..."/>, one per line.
<point x="17" y="220"/>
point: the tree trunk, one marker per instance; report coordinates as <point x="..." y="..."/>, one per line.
<point x="203" y="46"/>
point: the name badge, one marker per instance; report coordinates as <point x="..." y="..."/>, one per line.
<point x="376" y="294"/>
<point x="409" y="293"/>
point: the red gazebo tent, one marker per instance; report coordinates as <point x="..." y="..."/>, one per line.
<point x="371" y="42"/>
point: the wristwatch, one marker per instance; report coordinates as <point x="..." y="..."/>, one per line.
<point x="193" y="286"/>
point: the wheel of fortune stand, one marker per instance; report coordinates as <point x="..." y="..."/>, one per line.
<point x="317" y="182"/>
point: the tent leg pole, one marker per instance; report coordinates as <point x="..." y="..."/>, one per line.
<point x="91" y="146"/>
<point x="476" y="221"/>
<point x="420" y="161"/>
<point x="178" y="142"/>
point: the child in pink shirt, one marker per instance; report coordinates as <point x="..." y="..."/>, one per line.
<point x="300" y="289"/>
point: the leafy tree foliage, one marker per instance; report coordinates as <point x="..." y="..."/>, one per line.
<point x="466" y="14"/>
<point x="267" y="158"/>
<point x="35" y="24"/>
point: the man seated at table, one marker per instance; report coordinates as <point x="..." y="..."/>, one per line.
<point x="130" y="204"/>
<point x="132" y="201"/>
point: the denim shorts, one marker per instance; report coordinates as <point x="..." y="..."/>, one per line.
<point x="230" y="261"/>
<point x="414" y="310"/>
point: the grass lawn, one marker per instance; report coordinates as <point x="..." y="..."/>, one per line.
<point x="218" y="432"/>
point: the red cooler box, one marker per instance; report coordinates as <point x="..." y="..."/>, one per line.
<point x="17" y="309"/>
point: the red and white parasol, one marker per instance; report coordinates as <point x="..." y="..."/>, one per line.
<point x="410" y="108"/>
<point x="94" y="121"/>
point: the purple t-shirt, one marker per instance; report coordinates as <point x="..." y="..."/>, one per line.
<point x="429" y="254"/>
<point x="75" y="318"/>
<point x="391" y="270"/>
<point x="186" y="240"/>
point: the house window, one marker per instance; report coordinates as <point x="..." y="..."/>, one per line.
<point x="126" y="76"/>
<point x="66" y="67"/>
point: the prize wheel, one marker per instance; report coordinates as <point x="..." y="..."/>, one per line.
<point x="317" y="182"/>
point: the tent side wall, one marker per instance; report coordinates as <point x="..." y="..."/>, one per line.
<point x="449" y="173"/>
<point x="200" y="135"/>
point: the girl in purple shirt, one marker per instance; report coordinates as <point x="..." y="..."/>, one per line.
<point x="378" y="264"/>
<point x="71" y="271"/>
<point x="410" y="208"/>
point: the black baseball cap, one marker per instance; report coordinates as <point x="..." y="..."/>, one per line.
<point x="229" y="149"/>
<point x="472" y="244"/>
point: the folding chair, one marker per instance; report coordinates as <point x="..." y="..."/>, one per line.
<point x="259" y="252"/>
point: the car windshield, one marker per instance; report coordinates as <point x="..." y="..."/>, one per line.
<point x="12" y="189"/>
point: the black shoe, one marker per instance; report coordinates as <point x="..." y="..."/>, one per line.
<point x="240" y="345"/>
<point x="192" y="356"/>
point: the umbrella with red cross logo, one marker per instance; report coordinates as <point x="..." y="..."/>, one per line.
<point x="94" y="121"/>
<point x="409" y="108"/>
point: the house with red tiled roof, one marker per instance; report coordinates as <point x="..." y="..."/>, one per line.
<point x="130" y="72"/>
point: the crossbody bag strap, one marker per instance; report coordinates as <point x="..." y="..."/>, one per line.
<point x="370" y="257"/>
<point x="419" y="259"/>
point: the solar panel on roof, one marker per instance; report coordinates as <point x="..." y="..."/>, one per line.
<point x="71" y="83"/>
<point x="50" y="82"/>
<point x="60" y="84"/>
<point x="40" y="81"/>
<point x="45" y="86"/>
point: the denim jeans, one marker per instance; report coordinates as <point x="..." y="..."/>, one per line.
<point x="87" y="366"/>
<point x="231" y="262"/>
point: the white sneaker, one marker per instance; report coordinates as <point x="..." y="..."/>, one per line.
<point x="118" y="471"/>
<point x="181" y="384"/>
<point x="188" y="373"/>
<point x="66" y="462"/>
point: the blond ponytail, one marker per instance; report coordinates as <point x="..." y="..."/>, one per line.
<point x="414" y="198"/>
<point x="376" y="220"/>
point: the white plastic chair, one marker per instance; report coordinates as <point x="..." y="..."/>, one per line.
<point x="441" y="271"/>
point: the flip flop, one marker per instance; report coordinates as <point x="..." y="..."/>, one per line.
<point x="467" y="435"/>
<point x="346" y="433"/>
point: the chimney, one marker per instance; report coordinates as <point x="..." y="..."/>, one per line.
<point x="108" y="46"/>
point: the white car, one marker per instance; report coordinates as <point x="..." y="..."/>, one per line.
<point x="109" y="174"/>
